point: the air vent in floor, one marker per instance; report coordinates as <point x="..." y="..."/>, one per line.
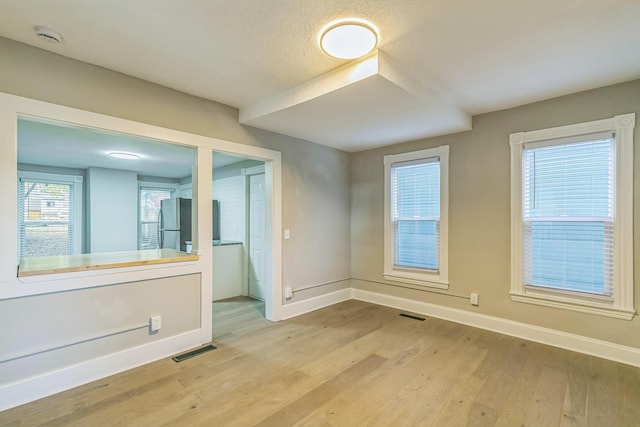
<point x="193" y="353"/>
<point x="422" y="319"/>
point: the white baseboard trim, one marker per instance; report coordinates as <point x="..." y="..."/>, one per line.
<point x="311" y="304"/>
<point x="565" y="340"/>
<point x="34" y="388"/>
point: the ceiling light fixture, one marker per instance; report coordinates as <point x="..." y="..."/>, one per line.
<point x="348" y="38"/>
<point x="47" y="34"/>
<point x="124" y="156"/>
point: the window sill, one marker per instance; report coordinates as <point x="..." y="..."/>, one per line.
<point x="582" y="306"/>
<point x="421" y="280"/>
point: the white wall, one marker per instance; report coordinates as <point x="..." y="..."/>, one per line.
<point x="229" y="186"/>
<point x="112" y="210"/>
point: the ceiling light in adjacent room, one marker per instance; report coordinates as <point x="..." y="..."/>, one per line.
<point x="348" y="39"/>
<point x="125" y="156"/>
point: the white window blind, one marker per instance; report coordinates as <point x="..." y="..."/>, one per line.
<point x="415" y="214"/>
<point x="150" y="199"/>
<point x="45" y="218"/>
<point x="568" y="214"/>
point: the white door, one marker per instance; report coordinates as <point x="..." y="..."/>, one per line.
<point x="257" y="226"/>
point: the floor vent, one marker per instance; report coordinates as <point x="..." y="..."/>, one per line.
<point x="193" y="353"/>
<point x="422" y="319"/>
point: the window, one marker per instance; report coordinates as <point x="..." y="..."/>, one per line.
<point x="150" y="199"/>
<point x="571" y="217"/>
<point x="49" y="214"/>
<point x="416" y="221"/>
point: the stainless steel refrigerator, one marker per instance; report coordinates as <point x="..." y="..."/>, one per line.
<point x="174" y="223"/>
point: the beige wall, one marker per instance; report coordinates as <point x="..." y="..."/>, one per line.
<point x="315" y="178"/>
<point x="332" y="201"/>
<point x="48" y="321"/>
<point x="479" y="212"/>
<point x="315" y="184"/>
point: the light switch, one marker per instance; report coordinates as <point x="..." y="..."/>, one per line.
<point x="286" y="234"/>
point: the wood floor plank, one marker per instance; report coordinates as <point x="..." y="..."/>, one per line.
<point x="352" y="364"/>
<point x="604" y="398"/>
<point x="548" y="398"/>
<point x="517" y="403"/>
<point x="457" y="411"/>
<point x="362" y="401"/>
<point x="300" y="407"/>
<point x="629" y="392"/>
<point x="501" y="370"/>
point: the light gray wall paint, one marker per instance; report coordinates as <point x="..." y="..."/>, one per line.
<point x="315" y="181"/>
<point x="479" y="213"/>
<point x="51" y="169"/>
<point x="113" y="208"/>
<point x="315" y="178"/>
<point x="51" y="320"/>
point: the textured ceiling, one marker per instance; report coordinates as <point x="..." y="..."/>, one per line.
<point x="477" y="56"/>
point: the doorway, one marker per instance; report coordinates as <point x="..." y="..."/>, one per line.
<point x="256" y="234"/>
<point x="15" y="107"/>
<point x="241" y="256"/>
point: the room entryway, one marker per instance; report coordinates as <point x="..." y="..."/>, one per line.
<point x="257" y="225"/>
<point x="241" y="251"/>
<point x="232" y="315"/>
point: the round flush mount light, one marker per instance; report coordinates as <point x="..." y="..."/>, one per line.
<point x="47" y="34"/>
<point x="348" y="38"/>
<point x="124" y="156"/>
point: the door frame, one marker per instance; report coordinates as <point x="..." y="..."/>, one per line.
<point x="248" y="172"/>
<point x="272" y="169"/>
<point x="12" y="107"/>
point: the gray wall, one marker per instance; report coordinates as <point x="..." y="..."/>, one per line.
<point x="113" y="210"/>
<point x="315" y="207"/>
<point x="479" y="213"/>
<point x="315" y="178"/>
<point x="52" y="320"/>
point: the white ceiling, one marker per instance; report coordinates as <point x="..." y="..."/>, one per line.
<point x="67" y="146"/>
<point x="470" y="56"/>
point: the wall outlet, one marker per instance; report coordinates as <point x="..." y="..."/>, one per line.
<point x="288" y="292"/>
<point x="156" y="323"/>
<point x="474" y="298"/>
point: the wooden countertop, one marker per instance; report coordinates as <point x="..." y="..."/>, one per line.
<point x="71" y="263"/>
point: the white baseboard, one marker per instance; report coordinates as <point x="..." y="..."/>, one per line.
<point x="34" y="388"/>
<point x="568" y="341"/>
<point x="311" y="304"/>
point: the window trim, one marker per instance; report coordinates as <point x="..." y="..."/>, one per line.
<point x="152" y="185"/>
<point x="76" y="207"/>
<point x="426" y="278"/>
<point x="620" y="306"/>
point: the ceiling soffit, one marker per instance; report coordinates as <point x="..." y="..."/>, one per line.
<point x="363" y="104"/>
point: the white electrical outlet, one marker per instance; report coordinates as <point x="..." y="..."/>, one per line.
<point x="288" y="292"/>
<point x="156" y="323"/>
<point x="474" y="298"/>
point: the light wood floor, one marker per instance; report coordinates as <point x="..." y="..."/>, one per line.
<point x="348" y="365"/>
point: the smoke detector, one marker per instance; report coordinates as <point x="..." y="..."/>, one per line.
<point x="51" y="36"/>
